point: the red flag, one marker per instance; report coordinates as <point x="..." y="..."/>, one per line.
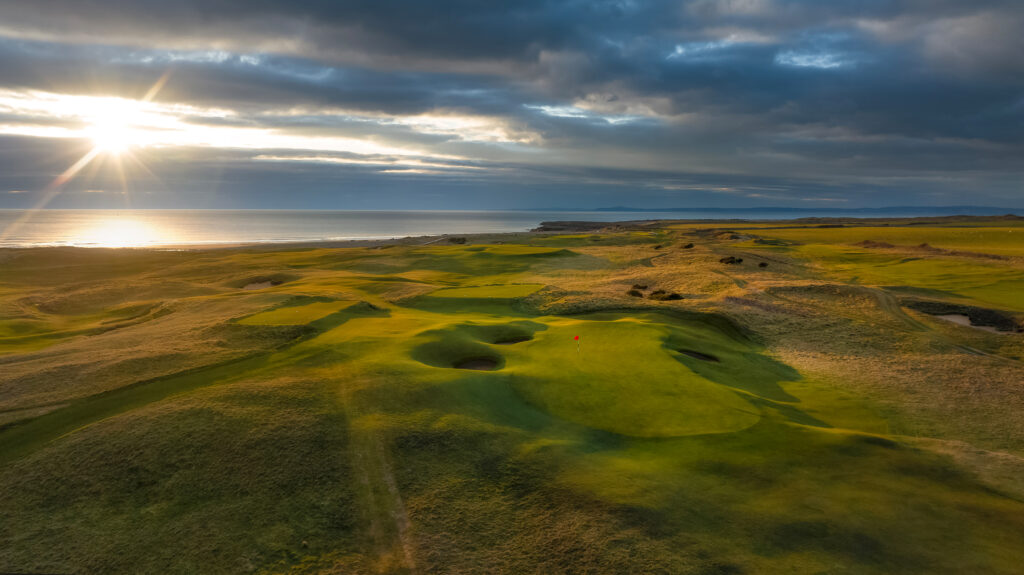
<point x="577" y="338"/>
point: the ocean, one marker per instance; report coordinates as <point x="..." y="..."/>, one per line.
<point x="147" y="228"/>
<point x="118" y="228"/>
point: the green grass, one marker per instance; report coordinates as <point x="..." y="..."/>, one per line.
<point x="611" y="239"/>
<point x="987" y="283"/>
<point x="623" y="380"/>
<point x="25" y="437"/>
<point x="356" y="445"/>
<point x="1004" y="240"/>
<point x="823" y="499"/>
<point x="296" y="315"/>
<point x="493" y="291"/>
<point x="36" y="329"/>
<point x="247" y="476"/>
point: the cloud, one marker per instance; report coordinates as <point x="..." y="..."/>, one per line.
<point x="581" y="112"/>
<point x="700" y="50"/>
<point x="822" y="60"/>
<point x="787" y="99"/>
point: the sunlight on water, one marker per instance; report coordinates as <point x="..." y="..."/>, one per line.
<point x="119" y="233"/>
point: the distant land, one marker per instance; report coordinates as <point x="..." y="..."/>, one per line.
<point x="902" y="210"/>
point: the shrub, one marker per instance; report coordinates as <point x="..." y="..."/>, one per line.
<point x="662" y="295"/>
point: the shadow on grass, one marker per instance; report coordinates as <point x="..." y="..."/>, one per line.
<point x="744" y="370"/>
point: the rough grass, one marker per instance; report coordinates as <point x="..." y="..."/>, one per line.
<point x="992" y="284"/>
<point x="248" y="476"/>
<point x="1004" y="240"/>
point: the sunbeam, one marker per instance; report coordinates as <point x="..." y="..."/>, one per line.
<point x="114" y="131"/>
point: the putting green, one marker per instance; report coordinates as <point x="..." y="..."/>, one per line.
<point x="623" y="380"/>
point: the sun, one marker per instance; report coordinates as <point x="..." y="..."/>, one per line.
<point x="112" y="135"/>
<point x="115" y="125"/>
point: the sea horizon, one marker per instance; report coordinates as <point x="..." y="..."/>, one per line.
<point x="92" y="227"/>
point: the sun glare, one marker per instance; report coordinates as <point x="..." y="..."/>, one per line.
<point x="111" y="131"/>
<point x="111" y="139"/>
<point x="119" y="233"/>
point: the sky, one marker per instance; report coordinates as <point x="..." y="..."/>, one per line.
<point x="466" y="104"/>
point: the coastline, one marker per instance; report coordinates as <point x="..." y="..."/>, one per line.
<point x="550" y="228"/>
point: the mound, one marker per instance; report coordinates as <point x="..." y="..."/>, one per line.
<point x="464" y="346"/>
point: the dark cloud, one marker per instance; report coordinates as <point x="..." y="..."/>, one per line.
<point x="768" y="101"/>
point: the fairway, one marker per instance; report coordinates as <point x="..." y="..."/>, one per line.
<point x="296" y="315"/>
<point x="488" y="292"/>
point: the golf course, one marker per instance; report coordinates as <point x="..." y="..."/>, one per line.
<point x="692" y="397"/>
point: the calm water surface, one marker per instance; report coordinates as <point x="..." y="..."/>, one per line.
<point x="117" y="228"/>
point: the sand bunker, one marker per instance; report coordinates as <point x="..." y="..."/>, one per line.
<point x="977" y="317"/>
<point x="479" y="364"/>
<point x="961" y="319"/>
<point x="699" y="355"/>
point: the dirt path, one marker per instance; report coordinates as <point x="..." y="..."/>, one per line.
<point x="381" y="502"/>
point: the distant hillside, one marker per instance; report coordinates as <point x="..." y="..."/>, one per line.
<point x="902" y="210"/>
